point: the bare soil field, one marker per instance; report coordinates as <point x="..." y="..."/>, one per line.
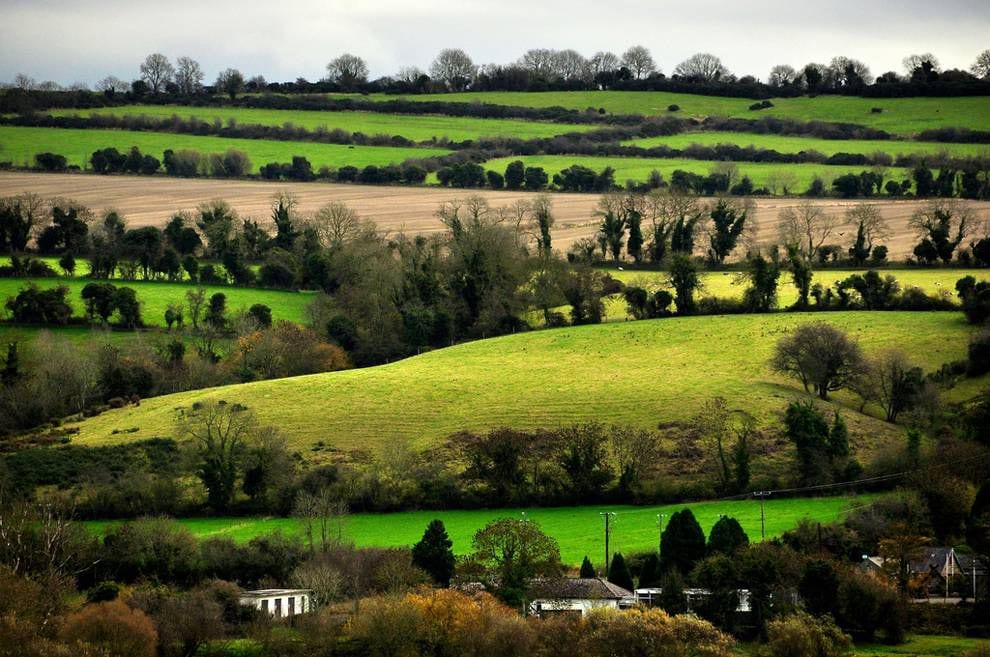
<point x="152" y="200"/>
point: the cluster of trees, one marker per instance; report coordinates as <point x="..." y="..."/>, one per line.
<point x="544" y="68"/>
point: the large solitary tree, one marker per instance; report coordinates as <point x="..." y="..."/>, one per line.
<point x="703" y="67"/>
<point x="514" y="552"/>
<point x="347" y="70"/>
<point x="454" y="67"/>
<point x="639" y="61"/>
<point x="218" y="433"/>
<point x="821" y="356"/>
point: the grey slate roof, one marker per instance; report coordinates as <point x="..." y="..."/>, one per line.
<point x="567" y="588"/>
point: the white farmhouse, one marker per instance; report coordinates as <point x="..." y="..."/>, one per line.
<point x="577" y="596"/>
<point x="281" y="603"/>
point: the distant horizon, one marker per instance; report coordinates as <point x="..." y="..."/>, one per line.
<point x="83" y="42"/>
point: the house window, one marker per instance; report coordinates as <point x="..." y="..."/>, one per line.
<point x="278" y="607"/>
<point x="292" y="605"/>
<point x="264" y="605"/>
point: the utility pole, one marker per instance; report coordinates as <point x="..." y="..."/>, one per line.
<point x="607" y="515"/>
<point x="762" y="494"/>
<point x="660" y="518"/>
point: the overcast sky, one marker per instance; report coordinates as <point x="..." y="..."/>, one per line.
<point x="86" y="40"/>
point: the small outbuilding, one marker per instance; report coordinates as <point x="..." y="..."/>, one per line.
<point x="280" y="603"/>
<point x="577" y="596"/>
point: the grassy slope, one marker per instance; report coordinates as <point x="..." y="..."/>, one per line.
<point x="417" y="128"/>
<point x="634" y="168"/>
<point x="155" y="297"/>
<point x="20" y="145"/>
<point x="578" y="530"/>
<point x="791" y="144"/>
<point x="638" y="373"/>
<point x="924" y="646"/>
<point x="905" y="116"/>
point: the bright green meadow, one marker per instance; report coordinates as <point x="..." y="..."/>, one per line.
<point x="905" y="116"/>
<point x="635" y="373"/>
<point x="411" y="126"/>
<point x="19" y="145"/>
<point x="578" y="530"/>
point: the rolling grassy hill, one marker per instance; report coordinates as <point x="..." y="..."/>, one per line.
<point x="792" y="144"/>
<point x="640" y="373"/>
<point x="639" y="168"/>
<point x="578" y="530"/>
<point x="410" y="126"/>
<point x="19" y="145"/>
<point x="155" y="296"/>
<point x="904" y="116"/>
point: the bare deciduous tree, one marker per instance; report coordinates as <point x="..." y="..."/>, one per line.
<point x="188" y="75"/>
<point x="807" y="227"/>
<point x="702" y="66"/>
<point x="912" y="62"/>
<point x="538" y="61"/>
<point x="603" y="62"/>
<point x="981" y="67"/>
<point x="570" y="65"/>
<point x="639" y="61"/>
<point x="156" y="71"/>
<point x="782" y="75"/>
<point x="347" y="70"/>
<point x="335" y="223"/>
<point x="868" y="218"/>
<point x="409" y="74"/>
<point x="112" y="84"/>
<point x="218" y="433"/>
<point x="324" y="516"/>
<point x="454" y="67"/>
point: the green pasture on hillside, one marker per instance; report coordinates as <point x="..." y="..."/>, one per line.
<point x="634" y="373"/>
<point x="578" y="530"/>
<point x="795" y="144"/>
<point x="19" y="146"/>
<point x="639" y="169"/>
<point x="155" y="296"/>
<point x="411" y="126"/>
<point x="905" y="116"/>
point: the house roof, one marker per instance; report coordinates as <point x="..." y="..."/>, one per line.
<point x="935" y="559"/>
<point x="588" y="588"/>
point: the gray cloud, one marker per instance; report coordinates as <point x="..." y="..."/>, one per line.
<point x="85" y="40"/>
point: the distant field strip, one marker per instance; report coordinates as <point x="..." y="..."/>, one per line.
<point x="411" y="126"/>
<point x="790" y="144"/>
<point x="156" y="296"/>
<point x="577" y="529"/>
<point x="639" y="169"/>
<point x="19" y="145"/>
<point x="904" y="116"/>
<point x="637" y="373"/>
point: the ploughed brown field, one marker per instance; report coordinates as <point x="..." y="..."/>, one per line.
<point x="152" y="200"/>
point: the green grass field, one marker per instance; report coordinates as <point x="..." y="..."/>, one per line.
<point x="578" y="530"/>
<point x="923" y="645"/>
<point x="638" y="169"/>
<point x="791" y="144"/>
<point x="20" y="145"/>
<point x="156" y="296"/>
<point x="410" y="126"/>
<point x="637" y="373"/>
<point x="727" y="284"/>
<point x="905" y="116"/>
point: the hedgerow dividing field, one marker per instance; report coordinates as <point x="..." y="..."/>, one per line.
<point x="411" y="126"/>
<point x="798" y="176"/>
<point x="155" y="296"/>
<point x="19" y="145"/>
<point x="793" y="144"/>
<point x="578" y="530"/>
